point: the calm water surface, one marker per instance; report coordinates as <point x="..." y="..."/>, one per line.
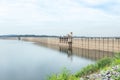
<point x="21" y="60"/>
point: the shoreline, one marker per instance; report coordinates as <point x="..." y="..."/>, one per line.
<point x="104" y="69"/>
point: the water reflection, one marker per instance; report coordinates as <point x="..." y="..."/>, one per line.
<point x="80" y="52"/>
<point x="21" y="60"/>
<point x="66" y="50"/>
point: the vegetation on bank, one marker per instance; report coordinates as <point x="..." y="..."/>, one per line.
<point x="100" y="67"/>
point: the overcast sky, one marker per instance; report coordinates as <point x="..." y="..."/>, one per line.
<point x="58" y="17"/>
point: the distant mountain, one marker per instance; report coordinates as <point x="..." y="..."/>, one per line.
<point x="28" y="36"/>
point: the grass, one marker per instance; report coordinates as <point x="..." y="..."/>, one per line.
<point x="94" y="67"/>
<point x="99" y="65"/>
<point x="64" y="75"/>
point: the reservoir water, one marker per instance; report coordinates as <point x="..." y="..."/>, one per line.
<point x="21" y="60"/>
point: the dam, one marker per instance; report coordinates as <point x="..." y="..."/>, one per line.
<point x="110" y="44"/>
<point x="89" y="47"/>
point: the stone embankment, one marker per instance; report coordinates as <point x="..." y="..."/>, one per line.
<point x="111" y="73"/>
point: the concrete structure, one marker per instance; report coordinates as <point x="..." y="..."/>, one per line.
<point x="93" y="43"/>
<point x="85" y="53"/>
<point x="88" y="47"/>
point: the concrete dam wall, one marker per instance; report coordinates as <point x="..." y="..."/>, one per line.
<point x="93" y="43"/>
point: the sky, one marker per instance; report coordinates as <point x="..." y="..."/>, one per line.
<point x="59" y="17"/>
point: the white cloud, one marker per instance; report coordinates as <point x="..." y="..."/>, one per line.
<point x="115" y="10"/>
<point x="95" y="2"/>
<point x="23" y="12"/>
<point x="51" y="10"/>
<point x="59" y="12"/>
<point x="3" y="10"/>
